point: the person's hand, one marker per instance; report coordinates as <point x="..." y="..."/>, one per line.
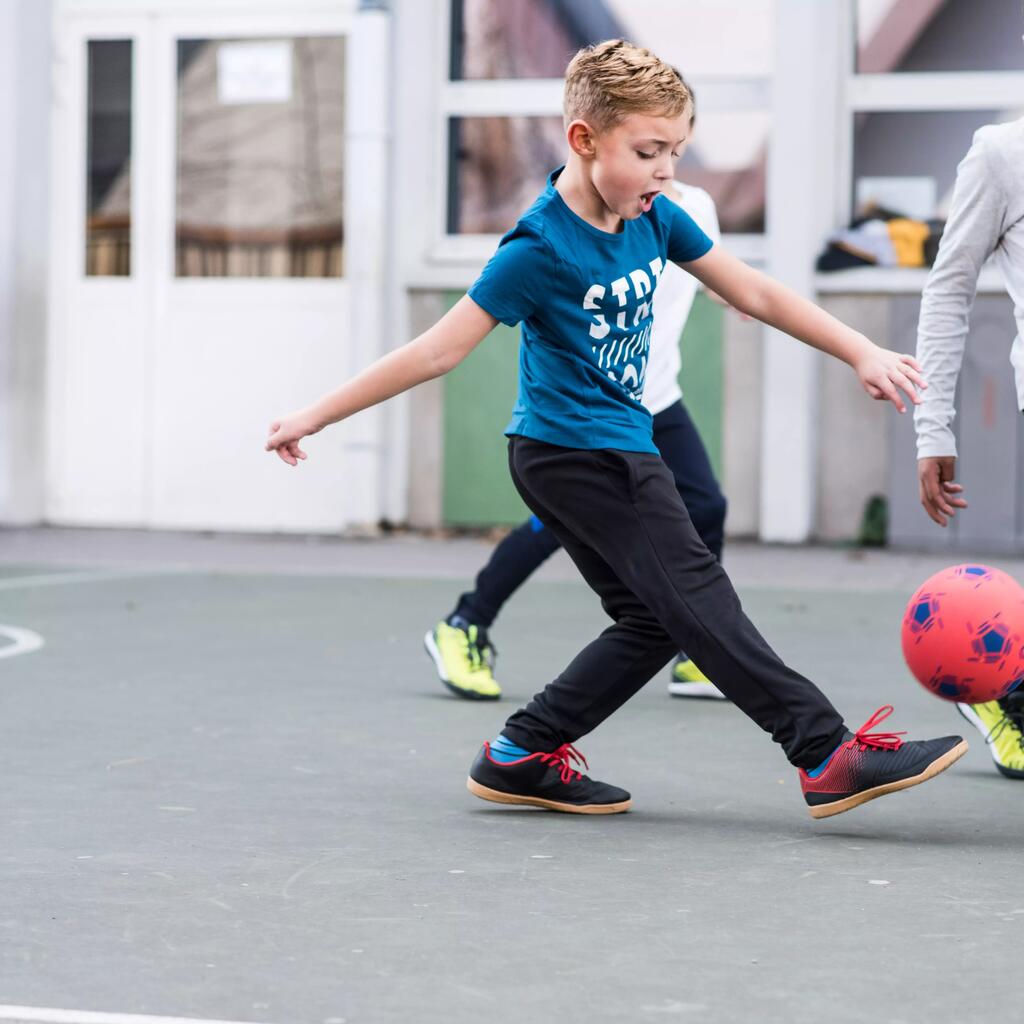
<point x="287" y="432"/>
<point x="939" y="495"/>
<point x="883" y="374"/>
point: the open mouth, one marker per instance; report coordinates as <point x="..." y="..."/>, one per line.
<point x="647" y="200"/>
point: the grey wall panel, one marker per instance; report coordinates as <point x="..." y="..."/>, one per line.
<point x="426" y="424"/>
<point x="853" y="448"/>
<point x="987" y="427"/>
<point x="742" y="380"/>
<point x="908" y="524"/>
<point x="989" y="430"/>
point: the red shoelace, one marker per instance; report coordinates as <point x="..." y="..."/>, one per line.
<point x="561" y="758"/>
<point x="879" y="740"/>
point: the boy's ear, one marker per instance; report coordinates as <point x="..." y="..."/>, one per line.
<point x="581" y="138"/>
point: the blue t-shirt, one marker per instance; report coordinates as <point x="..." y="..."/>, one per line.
<point x="584" y="298"/>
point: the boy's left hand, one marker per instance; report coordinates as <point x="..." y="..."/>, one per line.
<point x="287" y="432"/>
<point x="883" y="374"/>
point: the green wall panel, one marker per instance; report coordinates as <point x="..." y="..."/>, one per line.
<point x="701" y="375"/>
<point x="478" y="399"/>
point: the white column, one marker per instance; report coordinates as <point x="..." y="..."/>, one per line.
<point x="802" y="208"/>
<point x="368" y="200"/>
<point x="25" y="71"/>
<point x="415" y="460"/>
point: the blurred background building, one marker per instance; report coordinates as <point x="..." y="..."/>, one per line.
<point x="211" y="212"/>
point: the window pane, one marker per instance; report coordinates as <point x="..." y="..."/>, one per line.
<point x="108" y="158"/>
<point x="728" y="156"/>
<point x="536" y="38"/>
<point x="939" y="35"/>
<point x="915" y="156"/>
<point x="260" y="157"/>
<point x="498" y="165"/>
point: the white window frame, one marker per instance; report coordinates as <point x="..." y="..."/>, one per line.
<point x="914" y="92"/>
<point x="902" y="92"/>
<point x="934" y="90"/>
<point x="911" y="93"/>
<point x="453" y="260"/>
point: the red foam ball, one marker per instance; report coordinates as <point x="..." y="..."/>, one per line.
<point x="963" y="634"/>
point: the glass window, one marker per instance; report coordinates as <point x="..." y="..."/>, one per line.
<point x="108" y="158"/>
<point x="260" y="157"/>
<point x="938" y="35"/>
<point x="906" y="161"/>
<point x="496" y="168"/>
<point x="498" y="165"/>
<point x="535" y="38"/>
<point x="727" y="157"/>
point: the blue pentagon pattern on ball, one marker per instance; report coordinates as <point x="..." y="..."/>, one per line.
<point x="990" y="642"/>
<point x="948" y="685"/>
<point x="981" y="571"/>
<point x="923" y="615"/>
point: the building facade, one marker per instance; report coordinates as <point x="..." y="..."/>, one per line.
<point x="213" y="211"/>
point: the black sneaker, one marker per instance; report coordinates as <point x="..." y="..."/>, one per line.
<point x="870" y="764"/>
<point x="544" y="780"/>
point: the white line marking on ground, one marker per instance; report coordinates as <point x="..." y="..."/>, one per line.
<point x="58" y="579"/>
<point x="51" y="1016"/>
<point x="25" y="641"/>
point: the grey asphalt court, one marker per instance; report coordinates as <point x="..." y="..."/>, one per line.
<point x="234" y="790"/>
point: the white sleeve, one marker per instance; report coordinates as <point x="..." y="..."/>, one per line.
<point x="712" y="229"/>
<point x="973" y="230"/>
<point x="700" y="206"/>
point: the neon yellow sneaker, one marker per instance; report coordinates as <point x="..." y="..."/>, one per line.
<point x="464" y="658"/>
<point x="688" y="681"/>
<point x="1002" y="724"/>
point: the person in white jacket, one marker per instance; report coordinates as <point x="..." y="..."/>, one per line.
<point x="986" y="218"/>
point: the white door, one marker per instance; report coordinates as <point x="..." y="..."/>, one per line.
<point x="199" y="283"/>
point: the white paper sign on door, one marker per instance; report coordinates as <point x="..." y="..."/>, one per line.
<point x="254" y="72"/>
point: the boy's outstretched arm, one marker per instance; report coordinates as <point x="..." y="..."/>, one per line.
<point x="436" y="351"/>
<point x="882" y="373"/>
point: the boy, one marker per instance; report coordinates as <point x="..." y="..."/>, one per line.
<point x="579" y="271"/>
<point x="459" y="645"/>
<point x="986" y="216"/>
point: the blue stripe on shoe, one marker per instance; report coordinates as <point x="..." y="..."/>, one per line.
<point x="824" y="764"/>
<point x="535" y="524"/>
<point x="504" y="750"/>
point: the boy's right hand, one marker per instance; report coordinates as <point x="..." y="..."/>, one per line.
<point x="883" y="374"/>
<point x="939" y="495"/>
<point x="287" y="432"/>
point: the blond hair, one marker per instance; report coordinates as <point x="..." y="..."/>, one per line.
<point x="607" y="82"/>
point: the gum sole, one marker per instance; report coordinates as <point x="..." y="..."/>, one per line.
<point x="496" y="796"/>
<point x="937" y="766"/>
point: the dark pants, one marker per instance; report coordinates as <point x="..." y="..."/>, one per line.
<point x="528" y="546"/>
<point x="621" y="520"/>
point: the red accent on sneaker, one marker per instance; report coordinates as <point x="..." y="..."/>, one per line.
<point x="560" y="759"/>
<point x="878" y="740"/>
<point x="500" y="764"/>
<point x="843" y="771"/>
